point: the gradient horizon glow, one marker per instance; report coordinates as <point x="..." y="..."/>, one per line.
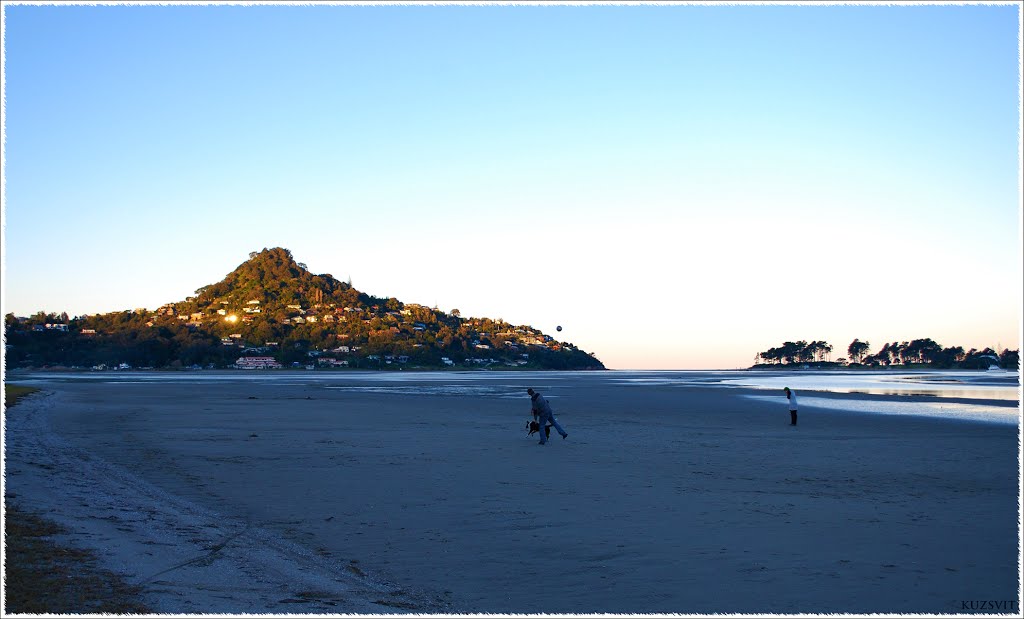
<point x="678" y="186"/>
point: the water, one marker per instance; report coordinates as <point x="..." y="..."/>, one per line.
<point x="969" y="385"/>
<point x="944" y="410"/>
<point x="979" y="396"/>
<point x="942" y="384"/>
<point x="959" y="395"/>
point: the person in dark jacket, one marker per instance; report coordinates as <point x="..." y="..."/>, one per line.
<point x="543" y="414"/>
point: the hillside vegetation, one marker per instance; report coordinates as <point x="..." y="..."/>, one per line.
<point x="272" y="307"/>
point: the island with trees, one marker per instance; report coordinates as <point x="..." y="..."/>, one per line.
<point x="920" y="353"/>
<point x="271" y="312"/>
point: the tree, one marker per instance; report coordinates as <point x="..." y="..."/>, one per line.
<point x="980" y="360"/>
<point x="925" y="350"/>
<point x="818" y="351"/>
<point x="884" y="355"/>
<point x="947" y="357"/>
<point x="792" y="351"/>
<point x="898" y="350"/>
<point x="857" y="349"/>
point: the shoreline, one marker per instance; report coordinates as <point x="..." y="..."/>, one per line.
<point x="663" y="499"/>
<point x="184" y="557"/>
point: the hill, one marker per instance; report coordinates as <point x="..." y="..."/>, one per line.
<point x="271" y="306"/>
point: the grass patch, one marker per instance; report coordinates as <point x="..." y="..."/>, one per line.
<point x="43" y="577"/>
<point x="13" y="393"/>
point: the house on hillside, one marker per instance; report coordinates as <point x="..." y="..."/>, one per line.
<point x="257" y="363"/>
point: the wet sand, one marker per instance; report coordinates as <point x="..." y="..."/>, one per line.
<point x="251" y="496"/>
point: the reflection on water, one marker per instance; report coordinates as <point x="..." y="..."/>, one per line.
<point x="975" y="392"/>
<point x="944" y="410"/>
<point x="969" y="385"/>
<point x="952" y="384"/>
<point x="970" y="394"/>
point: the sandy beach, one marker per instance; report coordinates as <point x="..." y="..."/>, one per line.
<point x="280" y="493"/>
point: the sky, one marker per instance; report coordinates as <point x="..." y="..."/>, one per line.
<point x="678" y="186"/>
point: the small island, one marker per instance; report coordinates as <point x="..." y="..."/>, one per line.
<point x="916" y="354"/>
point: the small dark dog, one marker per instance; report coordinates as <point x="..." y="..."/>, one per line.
<point x="534" y="427"/>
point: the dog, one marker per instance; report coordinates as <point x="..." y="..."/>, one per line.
<point x="534" y="427"/>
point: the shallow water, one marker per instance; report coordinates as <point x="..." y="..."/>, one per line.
<point x="963" y="386"/>
<point x="951" y="384"/>
<point x="971" y="385"/>
<point x="943" y="409"/>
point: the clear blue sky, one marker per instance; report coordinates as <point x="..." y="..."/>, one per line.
<point x="677" y="186"/>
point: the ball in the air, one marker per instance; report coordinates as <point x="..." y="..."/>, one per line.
<point x="558" y="328"/>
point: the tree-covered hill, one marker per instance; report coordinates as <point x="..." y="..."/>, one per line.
<point x="272" y="306"/>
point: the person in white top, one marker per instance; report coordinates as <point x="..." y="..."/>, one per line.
<point x="792" y="405"/>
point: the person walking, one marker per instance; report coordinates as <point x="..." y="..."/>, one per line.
<point x="791" y="395"/>
<point x="544" y="416"/>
